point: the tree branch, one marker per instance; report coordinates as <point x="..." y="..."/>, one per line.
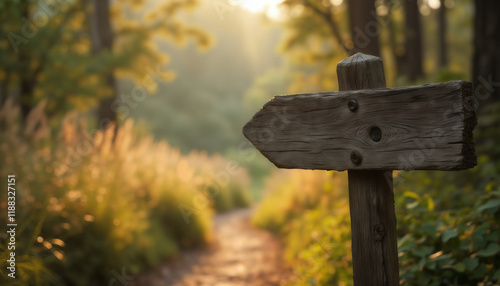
<point x="51" y="43"/>
<point x="330" y="21"/>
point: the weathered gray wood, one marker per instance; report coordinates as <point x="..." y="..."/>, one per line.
<point x="371" y="195"/>
<point x="373" y="228"/>
<point x="370" y="132"/>
<point x="422" y="127"/>
<point x="357" y="72"/>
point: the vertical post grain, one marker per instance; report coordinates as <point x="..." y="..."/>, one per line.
<point x="371" y="195"/>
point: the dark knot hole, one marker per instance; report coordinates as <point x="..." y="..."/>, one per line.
<point x="375" y="134"/>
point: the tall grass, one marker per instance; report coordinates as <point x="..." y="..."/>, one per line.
<point x="310" y="211"/>
<point x="94" y="203"/>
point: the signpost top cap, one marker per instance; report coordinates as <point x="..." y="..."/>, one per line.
<point x="359" y="58"/>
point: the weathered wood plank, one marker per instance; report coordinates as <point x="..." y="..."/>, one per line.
<point x="373" y="228"/>
<point x="371" y="195"/>
<point x="421" y="127"/>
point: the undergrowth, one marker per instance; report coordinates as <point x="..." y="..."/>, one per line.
<point x="90" y="203"/>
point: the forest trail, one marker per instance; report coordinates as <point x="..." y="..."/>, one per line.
<point x="239" y="255"/>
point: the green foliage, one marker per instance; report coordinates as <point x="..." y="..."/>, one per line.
<point x="319" y="249"/>
<point x="314" y="48"/>
<point x="290" y="193"/>
<point x="451" y="246"/>
<point x="309" y="210"/>
<point x="234" y="195"/>
<point x="93" y="202"/>
<point x="48" y="50"/>
<point x="448" y="221"/>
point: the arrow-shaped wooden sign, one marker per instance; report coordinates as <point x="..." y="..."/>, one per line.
<point x="370" y="130"/>
<point x="407" y="128"/>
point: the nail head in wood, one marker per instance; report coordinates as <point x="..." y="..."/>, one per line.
<point x="356" y="158"/>
<point x="353" y="105"/>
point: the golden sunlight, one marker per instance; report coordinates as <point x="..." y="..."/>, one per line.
<point x="269" y="7"/>
<point x="254" y="6"/>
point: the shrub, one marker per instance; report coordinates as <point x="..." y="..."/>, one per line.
<point x="445" y="247"/>
<point x="90" y="203"/>
<point x="310" y="211"/>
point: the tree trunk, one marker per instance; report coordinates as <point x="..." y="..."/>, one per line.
<point x="365" y="28"/>
<point x="26" y="84"/>
<point x="31" y="65"/>
<point x="397" y="54"/>
<point x="4" y="88"/>
<point x="413" y="47"/>
<point x="443" y="45"/>
<point x="26" y="101"/>
<point x="486" y="59"/>
<point x="101" y="34"/>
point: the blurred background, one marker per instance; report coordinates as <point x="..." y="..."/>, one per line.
<point x="121" y="120"/>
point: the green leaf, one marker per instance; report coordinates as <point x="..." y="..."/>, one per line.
<point x="431" y="265"/>
<point x="496" y="275"/>
<point x="430" y="204"/>
<point x="411" y="195"/>
<point x="489" y="205"/>
<point x="465" y="245"/>
<point x="407" y="247"/>
<point x="482" y="228"/>
<point x="493" y="236"/>
<point x="428" y="228"/>
<point x="478" y="237"/>
<point x="422" y="262"/>
<point x="481" y="271"/>
<point x="449" y="234"/>
<point x="471" y="263"/>
<point x="423" y="251"/>
<point x="490" y="250"/>
<point x="459" y="267"/>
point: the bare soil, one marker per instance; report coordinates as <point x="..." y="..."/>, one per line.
<point x="239" y="255"/>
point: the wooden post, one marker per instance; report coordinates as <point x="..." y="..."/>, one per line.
<point x="371" y="195"/>
<point x="370" y="130"/>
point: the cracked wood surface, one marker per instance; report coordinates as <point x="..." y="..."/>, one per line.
<point x="427" y="127"/>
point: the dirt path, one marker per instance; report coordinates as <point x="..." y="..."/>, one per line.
<point x="240" y="255"/>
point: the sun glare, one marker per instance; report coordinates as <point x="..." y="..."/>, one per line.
<point x="269" y="7"/>
<point x="255" y="6"/>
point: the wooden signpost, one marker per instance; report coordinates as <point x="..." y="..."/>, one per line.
<point x="370" y="130"/>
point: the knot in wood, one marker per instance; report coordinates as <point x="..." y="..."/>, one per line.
<point x="356" y="158"/>
<point x="375" y="134"/>
<point x="378" y="232"/>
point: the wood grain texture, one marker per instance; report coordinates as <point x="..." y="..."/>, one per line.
<point x="373" y="228"/>
<point x="371" y="195"/>
<point x="423" y="127"/>
<point x="357" y="72"/>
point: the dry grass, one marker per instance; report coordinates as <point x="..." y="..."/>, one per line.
<point x="90" y="201"/>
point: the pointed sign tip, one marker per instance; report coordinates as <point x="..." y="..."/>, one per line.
<point x="311" y="134"/>
<point x="246" y="128"/>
